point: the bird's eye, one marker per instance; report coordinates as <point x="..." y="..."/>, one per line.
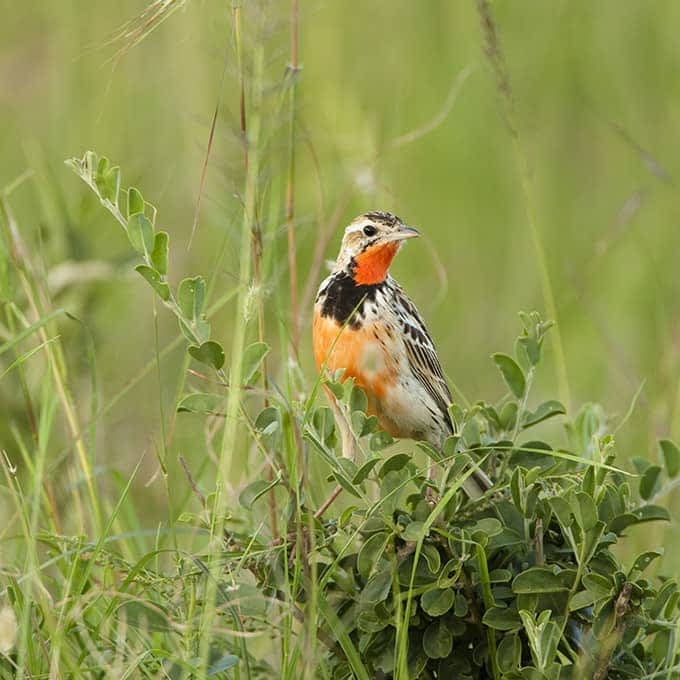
<point x="370" y="230"/>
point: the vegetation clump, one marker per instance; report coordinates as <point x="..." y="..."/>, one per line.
<point x="402" y="577"/>
<point x="523" y="583"/>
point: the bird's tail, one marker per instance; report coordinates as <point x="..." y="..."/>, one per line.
<point x="477" y="484"/>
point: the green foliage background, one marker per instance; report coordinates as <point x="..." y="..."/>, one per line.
<point x="596" y="94"/>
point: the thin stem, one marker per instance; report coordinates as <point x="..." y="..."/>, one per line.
<point x="328" y="502"/>
<point x="290" y="187"/>
<point x="231" y="463"/>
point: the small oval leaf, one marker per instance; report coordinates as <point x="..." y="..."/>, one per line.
<point x="210" y="353"/>
<point x="153" y="278"/>
<point x="370" y="552"/>
<point x="438" y="601"/>
<point x="538" y="580"/>
<point x="135" y="201"/>
<point x="548" y="409"/>
<point x="200" y="402"/>
<point x="159" y="255"/>
<point x="511" y="372"/>
<point x="502" y="618"/>
<point x="649" y="482"/>
<point x="671" y="457"/>
<point x="140" y="233"/>
<point x="191" y="296"/>
<point x="255" y="490"/>
<point x="437" y="640"/>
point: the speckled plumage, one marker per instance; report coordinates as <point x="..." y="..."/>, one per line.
<point x="366" y="325"/>
<point x="414" y="396"/>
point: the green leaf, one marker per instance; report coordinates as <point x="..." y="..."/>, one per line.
<point x="252" y="358"/>
<point x="222" y="664"/>
<point x="90" y="163"/>
<point x="471" y="434"/>
<point x="517" y="489"/>
<point x="666" y="592"/>
<point x="268" y="420"/>
<point x="140" y="233"/>
<point x="598" y="586"/>
<point x="255" y="490"/>
<point x="645" y="513"/>
<point x="324" y="424"/>
<point x="159" y="254"/>
<point x="461" y="607"/>
<point x="394" y="464"/>
<point x="537" y="580"/>
<point x="100" y="177"/>
<point x="649" y="482"/>
<point x="358" y="401"/>
<point x="591" y="540"/>
<point x="543" y="635"/>
<point x="509" y="653"/>
<point x="413" y="531"/>
<point x="369" y="622"/>
<point x="153" y="278"/>
<point x="200" y="402"/>
<point x="210" y="353"/>
<point x="371" y="552"/>
<point x="362" y="424"/>
<point x="500" y="575"/>
<point x="508" y="415"/>
<point x="582" y="599"/>
<point x="438" y="601"/>
<point x="380" y="440"/>
<point x="191" y="297"/>
<point x="502" y="618"/>
<point x="603" y="623"/>
<point x="346" y="515"/>
<point x="365" y="470"/>
<point x="112" y="184"/>
<point x="671" y="457"/>
<point x="437" y="640"/>
<point x="432" y="557"/>
<point x="345" y="482"/>
<point x="547" y="409"/>
<point x="512" y="373"/>
<point x="102" y="165"/>
<point x="585" y="511"/>
<point x="643" y="561"/>
<point x="377" y="588"/>
<point x="336" y="388"/>
<point x="489" y="526"/>
<point x="431" y="452"/>
<point x="135" y="201"/>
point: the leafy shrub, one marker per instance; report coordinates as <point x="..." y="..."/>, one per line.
<point x="522" y="583"/>
<point x="411" y="579"/>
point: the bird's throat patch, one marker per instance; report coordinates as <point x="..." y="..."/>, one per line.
<point x="370" y="267"/>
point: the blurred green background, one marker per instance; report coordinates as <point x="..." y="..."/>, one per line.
<point x="597" y="94"/>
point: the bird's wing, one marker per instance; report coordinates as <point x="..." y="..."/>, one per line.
<point x="421" y="353"/>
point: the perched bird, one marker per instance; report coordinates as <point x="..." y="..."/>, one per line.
<point x="365" y="324"/>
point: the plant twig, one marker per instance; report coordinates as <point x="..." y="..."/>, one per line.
<point x="290" y="187"/>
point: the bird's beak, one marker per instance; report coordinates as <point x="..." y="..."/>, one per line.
<point x="402" y="234"/>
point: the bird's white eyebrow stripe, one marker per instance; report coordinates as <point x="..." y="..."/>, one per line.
<point x="357" y="227"/>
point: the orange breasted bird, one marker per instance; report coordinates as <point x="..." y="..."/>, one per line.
<point x="365" y="324"/>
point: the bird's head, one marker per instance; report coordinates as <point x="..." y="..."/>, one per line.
<point x="369" y="245"/>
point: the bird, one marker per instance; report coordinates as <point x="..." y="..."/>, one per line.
<point x="366" y="325"/>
